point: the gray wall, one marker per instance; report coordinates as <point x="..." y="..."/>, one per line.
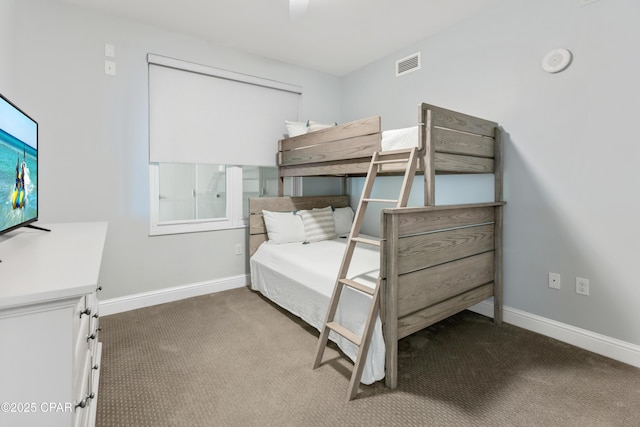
<point x="571" y="173"/>
<point x="571" y="178"/>
<point x="94" y="133"/>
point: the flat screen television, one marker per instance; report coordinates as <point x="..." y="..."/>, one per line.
<point x="18" y="167"/>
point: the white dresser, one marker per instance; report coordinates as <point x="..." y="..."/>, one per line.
<point x="49" y="324"/>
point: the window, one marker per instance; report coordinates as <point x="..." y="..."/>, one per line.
<point x="203" y="197"/>
<point x="192" y="192"/>
<point x="213" y="138"/>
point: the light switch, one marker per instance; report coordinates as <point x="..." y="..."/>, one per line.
<point x="109" y="50"/>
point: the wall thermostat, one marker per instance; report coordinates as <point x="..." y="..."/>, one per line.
<point x="556" y="60"/>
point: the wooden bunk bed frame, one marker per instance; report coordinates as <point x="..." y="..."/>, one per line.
<point x="435" y="261"/>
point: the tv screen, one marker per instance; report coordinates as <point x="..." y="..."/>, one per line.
<point x="18" y="167"/>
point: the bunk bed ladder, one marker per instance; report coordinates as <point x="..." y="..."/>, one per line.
<point x="378" y="161"/>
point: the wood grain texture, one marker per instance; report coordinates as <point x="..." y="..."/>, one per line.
<point x="351" y="148"/>
<point x="448" y="141"/>
<point x="455" y="163"/>
<point x="428" y="161"/>
<point x="283" y="204"/>
<point x="424" y="288"/>
<point x="450" y="119"/>
<point x="498" y="265"/>
<point x="365" y="126"/>
<point x="257" y="229"/>
<point x="499" y="165"/>
<point x="390" y="308"/>
<point x="428" y="316"/>
<point x="426" y="250"/>
<point x="451" y="142"/>
<point x="455" y="245"/>
<point x="428" y="219"/>
<point x="356" y="167"/>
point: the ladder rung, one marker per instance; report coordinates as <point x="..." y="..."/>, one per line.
<point x="367" y="241"/>
<point x="384" y="162"/>
<point x="338" y="328"/>
<point x="381" y="200"/>
<point x="357" y="285"/>
<point x="394" y="152"/>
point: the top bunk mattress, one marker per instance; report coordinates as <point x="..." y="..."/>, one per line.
<point x="398" y="139"/>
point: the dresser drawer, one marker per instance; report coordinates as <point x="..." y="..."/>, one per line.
<point x="94" y="322"/>
<point x="83" y="397"/>
<point x="81" y="328"/>
<point x="95" y="380"/>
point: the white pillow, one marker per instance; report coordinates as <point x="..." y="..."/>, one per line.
<point x="314" y="126"/>
<point x="342" y="220"/>
<point x="318" y="224"/>
<point x="283" y="227"/>
<point x="296" y="128"/>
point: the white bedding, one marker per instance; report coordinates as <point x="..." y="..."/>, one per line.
<point x="398" y="139"/>
<point x="301" y="277"/>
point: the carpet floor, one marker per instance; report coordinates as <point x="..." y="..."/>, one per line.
<point x="235" y="359"/>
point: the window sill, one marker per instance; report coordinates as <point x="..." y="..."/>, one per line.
<point x="182" y="228"/>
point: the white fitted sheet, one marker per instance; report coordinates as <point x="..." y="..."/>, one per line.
<point x="301" y="277"/>
<point x="397" y="139"/>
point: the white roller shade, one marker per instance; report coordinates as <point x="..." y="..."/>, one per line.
<point x="199" y="114"/>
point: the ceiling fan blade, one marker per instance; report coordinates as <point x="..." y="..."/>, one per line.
<point x="297" y="8"/>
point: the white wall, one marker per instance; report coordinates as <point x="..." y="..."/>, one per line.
<point x="94" y="133"/>
<point x="571" y="173"/>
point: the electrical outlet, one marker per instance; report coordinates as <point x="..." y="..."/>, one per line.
<point x="554" y="280"/>
<point x="582" y="286"/>
<point x="110" y="68"/>
<point x="238" y="249"/>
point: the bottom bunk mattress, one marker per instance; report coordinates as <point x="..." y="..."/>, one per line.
<point x="300" y="277"/>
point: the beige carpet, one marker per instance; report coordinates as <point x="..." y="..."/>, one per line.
<point x="234" y="359"/>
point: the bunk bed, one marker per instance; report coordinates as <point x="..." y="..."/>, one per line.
<point x="434" y="261"/>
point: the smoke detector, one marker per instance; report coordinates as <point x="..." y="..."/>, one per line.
<point x="556" y="60"/>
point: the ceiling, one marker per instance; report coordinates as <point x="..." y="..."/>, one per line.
<point x="333" y="36"/>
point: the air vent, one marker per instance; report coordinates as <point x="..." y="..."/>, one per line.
<point x="408" y="64"/>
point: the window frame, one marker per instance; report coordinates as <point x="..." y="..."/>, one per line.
<point x="233" y="218"/>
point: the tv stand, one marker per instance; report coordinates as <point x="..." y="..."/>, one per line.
<point x="36" y="227"/>
<point x="50" y="346"/>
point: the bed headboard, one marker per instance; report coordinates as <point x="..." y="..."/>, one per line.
<point x="257" y="229"/>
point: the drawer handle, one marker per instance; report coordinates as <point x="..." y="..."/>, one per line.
<point x="99" y="288"/>
<point x="95" y="367"/>
<point x="96" y="315"/>
<point x="83" y="402"/>
<point x="86" y="311"/>
<point x="91" y="337"/>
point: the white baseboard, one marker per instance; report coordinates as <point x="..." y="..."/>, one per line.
<point x="161" y="296"/>
<point x="600" y="344"/>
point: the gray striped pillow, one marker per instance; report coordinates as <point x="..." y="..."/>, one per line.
<point x="318" y="224"/>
